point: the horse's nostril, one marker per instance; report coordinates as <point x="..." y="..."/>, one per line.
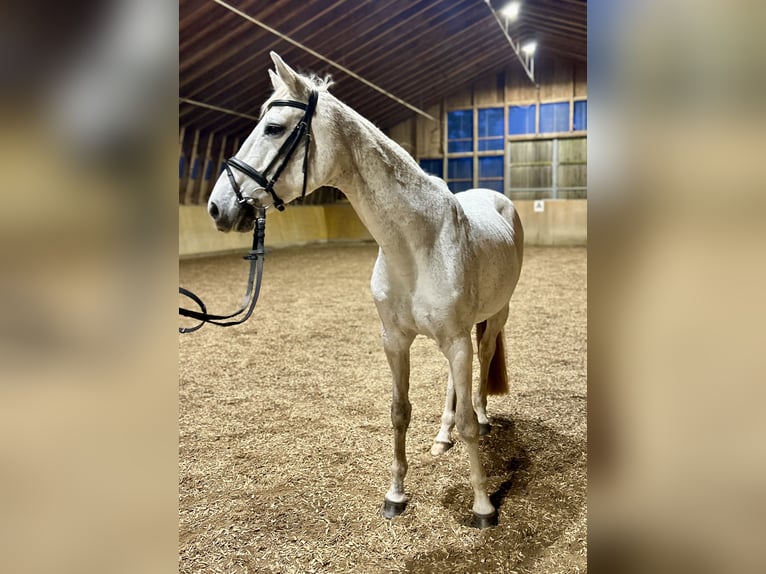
<point x="213" y="210"/>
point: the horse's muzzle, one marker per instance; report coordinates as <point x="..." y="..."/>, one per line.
<point x="241" y="220"/>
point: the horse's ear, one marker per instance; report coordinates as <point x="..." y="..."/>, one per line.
<point x="276" y="81"/>
<point x="287" y="74"/>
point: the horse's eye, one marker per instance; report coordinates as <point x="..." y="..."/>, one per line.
<point x="273" y="130"/>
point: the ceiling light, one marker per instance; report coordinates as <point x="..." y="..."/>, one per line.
<point x="511" y="10"/>
<point x="529" y="48"/>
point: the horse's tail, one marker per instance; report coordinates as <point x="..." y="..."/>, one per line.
<point x="497" y="380"/>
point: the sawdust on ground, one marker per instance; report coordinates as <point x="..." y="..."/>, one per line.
<point x="285" y="435"/>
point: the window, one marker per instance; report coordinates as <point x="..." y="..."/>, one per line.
<point x="521" y="119"/>
<point x="460" y="173"/>
<point x="580" y="115"/>
<point x="554" y="117"/>
<point x="491" y="172"/>
<point x="432" y="166"/>
<point x="491" y="133"/>
<point x="460" y="131"/>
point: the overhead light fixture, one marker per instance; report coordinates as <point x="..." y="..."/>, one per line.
<point x="504" y="16"/>
<point x="511" y="10"/>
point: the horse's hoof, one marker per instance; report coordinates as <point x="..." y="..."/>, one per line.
<point x="484" y="429"/>
<point x="484" y="520"/>
<point x="439" y="448"/>
<point x="391" y="509"/>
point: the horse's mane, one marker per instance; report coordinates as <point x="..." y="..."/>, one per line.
<point x="320" y="83"/>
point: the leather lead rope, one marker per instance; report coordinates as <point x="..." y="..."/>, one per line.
<point x="255" y="256"/>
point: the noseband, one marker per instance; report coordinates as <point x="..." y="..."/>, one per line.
<point x="285" y="151"/>
<point x="303" y="129"/>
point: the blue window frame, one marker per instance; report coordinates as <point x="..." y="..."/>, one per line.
<point x="460" y="173"/>
<point x="554" y="117"/>
<point x="432" y="166"/>
<point x="460" y="131"/>
<point x="491" y="133"/>
<point x="580" y="120"/>
<point x="521" y="119"/>
<point x="491" y="173"/>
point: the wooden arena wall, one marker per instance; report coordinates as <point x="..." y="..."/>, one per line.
<point x="561" y="222"/>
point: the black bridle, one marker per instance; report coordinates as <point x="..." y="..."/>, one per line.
<point x="256" y="254"/>
<point x="285" y="151"/>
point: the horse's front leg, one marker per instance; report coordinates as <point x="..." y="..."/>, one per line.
<point x="459" y="352"/>
<point x="397" y="347"/>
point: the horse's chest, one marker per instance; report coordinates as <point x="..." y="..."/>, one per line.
<point x="428" y="298"/>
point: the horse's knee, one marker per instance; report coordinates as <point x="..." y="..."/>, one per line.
<point x="400" y="413"/>
<point x="395" y="341"/>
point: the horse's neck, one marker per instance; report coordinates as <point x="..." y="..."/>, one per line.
<point x="402" y="207"/>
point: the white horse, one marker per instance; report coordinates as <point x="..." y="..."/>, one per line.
<point x="446" y="262"/>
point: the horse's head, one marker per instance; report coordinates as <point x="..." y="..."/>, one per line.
<point x="267" y="152"/>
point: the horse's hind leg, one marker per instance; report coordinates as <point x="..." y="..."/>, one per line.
<point x="443" y="440"/>
<point x="486" y="336"/>
<point x="459" y="352"/>
<point x="397" y="347"/>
